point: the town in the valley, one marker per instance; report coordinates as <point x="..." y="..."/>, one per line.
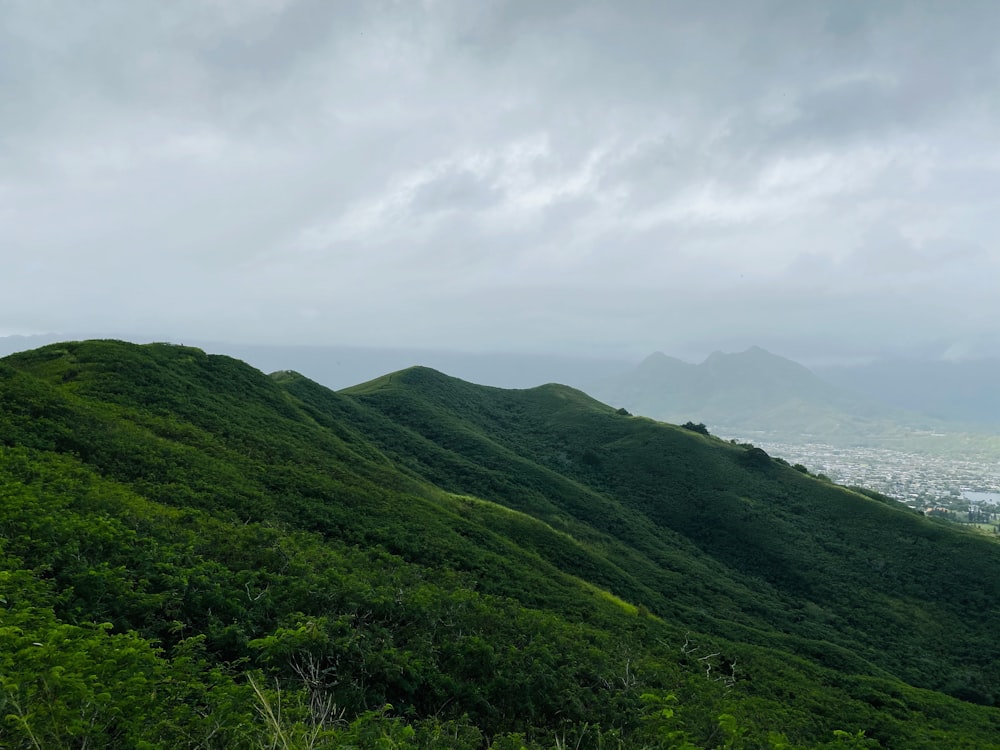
<point x="963" y="491"/>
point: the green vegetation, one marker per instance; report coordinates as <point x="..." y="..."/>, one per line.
<point x="193" y="554"/>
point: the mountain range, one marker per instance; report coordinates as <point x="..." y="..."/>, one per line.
<point x="752" y="392"/>
<point x="196" y="554"/>
<point x="759" y="395"/>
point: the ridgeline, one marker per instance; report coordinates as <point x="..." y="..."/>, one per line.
<point x="196" y="555"/>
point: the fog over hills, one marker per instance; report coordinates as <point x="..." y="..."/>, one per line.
<point x="752" y="390"/>
<point x="874" y="435"/>
<point x="724" y="387"/>
<point x="965" y="391"/>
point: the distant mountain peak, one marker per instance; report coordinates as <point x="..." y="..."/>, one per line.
<point x="753" y="352"/>
<point x="659" y="361"/>
<point x="753" y="389"/>
<point x="757" y="358"/>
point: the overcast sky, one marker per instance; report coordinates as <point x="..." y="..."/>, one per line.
<point x="819" y="178"/>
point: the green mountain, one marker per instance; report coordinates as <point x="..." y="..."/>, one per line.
<point x="194" y="554"/>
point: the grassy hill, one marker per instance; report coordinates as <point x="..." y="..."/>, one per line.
<point x="195" y="554"/>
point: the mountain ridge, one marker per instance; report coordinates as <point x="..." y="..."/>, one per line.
<point x="492" y="563"/>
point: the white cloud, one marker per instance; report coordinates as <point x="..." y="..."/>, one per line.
<point x="509" y="172"/>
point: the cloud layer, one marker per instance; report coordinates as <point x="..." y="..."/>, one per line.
<point x="819" y="178"/>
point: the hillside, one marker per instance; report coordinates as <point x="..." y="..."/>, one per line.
<point x="195" y="554"/>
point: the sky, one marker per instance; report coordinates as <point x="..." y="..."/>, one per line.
<point x="587" y="178"/>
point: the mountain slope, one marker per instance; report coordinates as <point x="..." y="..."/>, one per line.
<point x="764" y="535"/>
<point x="491" y="563"/>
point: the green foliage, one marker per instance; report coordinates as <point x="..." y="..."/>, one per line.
<point x="195" y="555"/>
<point x="661" y="724"/>
<point x="699" y="427"/>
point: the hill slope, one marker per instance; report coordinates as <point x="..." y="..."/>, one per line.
<point x="188" y="544"/>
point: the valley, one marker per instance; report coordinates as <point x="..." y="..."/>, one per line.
<point x="919" y="480"/>
<point x="856" y="440"/>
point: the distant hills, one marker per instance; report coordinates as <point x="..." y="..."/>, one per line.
<point x="759" y="394"/>
<point x="749" y="390"/>
<point x="196" y="554"/>
<point x="752" y="390"/>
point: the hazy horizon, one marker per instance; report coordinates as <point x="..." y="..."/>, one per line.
<point x="20" y="342"/>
